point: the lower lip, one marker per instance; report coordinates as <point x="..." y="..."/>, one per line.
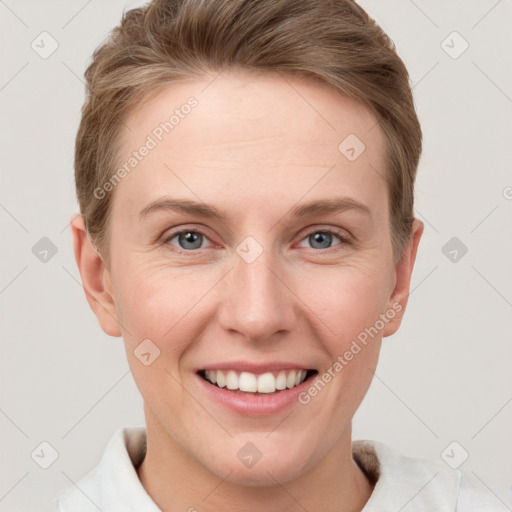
<point x="262" y="404"/>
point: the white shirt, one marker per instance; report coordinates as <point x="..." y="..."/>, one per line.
<point x="403" y="483"/>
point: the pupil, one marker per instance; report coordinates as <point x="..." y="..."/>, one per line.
<point x="190" y="238"/>
<point x="323" y="238"/>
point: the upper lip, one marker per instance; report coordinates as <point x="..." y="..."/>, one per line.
<point x="257" y="368"/>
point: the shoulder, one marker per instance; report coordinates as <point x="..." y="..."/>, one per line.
<point x="113" y="484"/>
<point x="477" y="495"/>
<point x="415" y="484"/>
<point x="79" y="497"/>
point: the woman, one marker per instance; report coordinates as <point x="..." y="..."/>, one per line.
<point x="245" y="173"/>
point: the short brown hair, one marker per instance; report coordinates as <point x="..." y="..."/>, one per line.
<point x="170" y="40"/>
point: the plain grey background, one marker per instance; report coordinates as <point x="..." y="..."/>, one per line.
<point x="444" y="377"/>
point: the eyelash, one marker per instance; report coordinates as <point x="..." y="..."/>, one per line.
<point x="343" y="239"/>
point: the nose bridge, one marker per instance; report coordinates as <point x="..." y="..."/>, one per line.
<point x="259" y="303"/>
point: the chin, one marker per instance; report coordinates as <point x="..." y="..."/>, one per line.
<point x="265" y="476"/>
<point x="267" y="471"/>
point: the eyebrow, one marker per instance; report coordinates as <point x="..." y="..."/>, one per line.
<point x="310" y="209"/>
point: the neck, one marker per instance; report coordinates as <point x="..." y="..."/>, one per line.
<point x="176" y="481"/>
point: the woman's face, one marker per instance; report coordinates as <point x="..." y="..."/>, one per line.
<point x="270" y="285"/>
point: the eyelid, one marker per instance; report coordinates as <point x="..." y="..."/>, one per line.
<point x="170" y="234"/>
<point x="344" y="237"/>
<point x="340" y="232"/>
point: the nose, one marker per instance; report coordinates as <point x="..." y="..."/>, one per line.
<point x="259" y="303"/>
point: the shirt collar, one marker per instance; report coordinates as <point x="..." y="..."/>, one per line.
<point x="406" y="483"/>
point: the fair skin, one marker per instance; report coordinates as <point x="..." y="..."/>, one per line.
<point x="254" y="148"/>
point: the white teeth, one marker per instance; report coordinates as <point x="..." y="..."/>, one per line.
<point x="290" y="379"/>
<point x="266" y="383"/>
<point x="249" y="382"/>
<point x="281" y="381"/>
<point x="219" y="377"/>
<point x="232" y="380"/>
<point x="211" y="376"/>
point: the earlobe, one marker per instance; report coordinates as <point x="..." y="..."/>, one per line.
<point x="403" y="273"/>
<point x="95" y="278"/>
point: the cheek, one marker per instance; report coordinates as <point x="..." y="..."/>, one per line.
<point x="347" y="301"/>
<point x="352" y="308"/>
<point x="159" y="307"/>
<point x="157" y="303"/>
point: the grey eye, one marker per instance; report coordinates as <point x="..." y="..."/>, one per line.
<point x="320" y="240"/>
<point x="188" y="240"/>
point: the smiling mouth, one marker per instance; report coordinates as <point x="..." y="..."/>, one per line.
<point x="251" y="383"/>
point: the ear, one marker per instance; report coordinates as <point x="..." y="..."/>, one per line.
<point x="403" y="271"/>
<point x="95" y="278"/>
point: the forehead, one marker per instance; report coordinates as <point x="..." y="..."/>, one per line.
<point x="241" y="133"/>
<point x="251" y="104"/>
